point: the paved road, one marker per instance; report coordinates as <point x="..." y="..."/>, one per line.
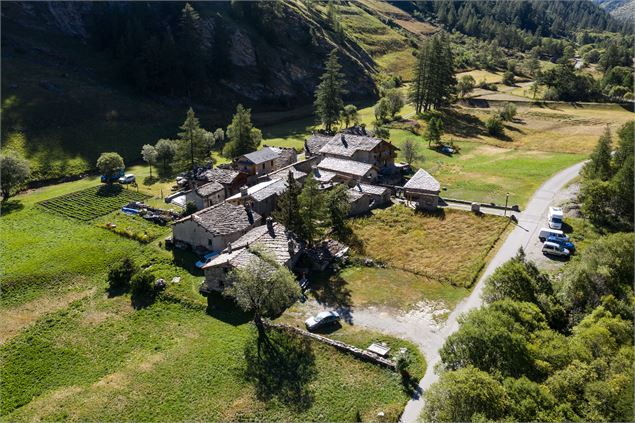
<point x="529" y="223"/>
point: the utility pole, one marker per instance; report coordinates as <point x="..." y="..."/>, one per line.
<point x="506" y="200"/>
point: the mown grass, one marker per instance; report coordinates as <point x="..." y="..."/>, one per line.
<point x="90" y="357"/>
<point x="449" y="246"/>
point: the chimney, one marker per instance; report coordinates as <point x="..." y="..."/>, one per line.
<point x="244" y="190"/>
<point x="270" y="226"/>
<point x="291" y="246"/>
<point x="250" y="215"/>
<point x="229" y="247"/>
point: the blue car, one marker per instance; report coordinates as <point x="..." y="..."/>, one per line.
<point x="206" y="259"/>
<point x="566" y="244"/>
<point x="113" y="178"/>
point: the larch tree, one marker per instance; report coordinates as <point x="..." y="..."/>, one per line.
<point x="599" y="167"/>
<point x="14" y="171"/>
<point x="149" y="154"/>
<point x="191" y="145"/>
<point x="338" y="207"/>
<point x="328" y="95"/>
<point x="313" y="213"/>
<point x="287" y="208"/>
<point x="243" y="137"/>
<point x="349" y="115"/>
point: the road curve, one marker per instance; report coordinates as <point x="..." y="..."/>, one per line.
<point x="529" y="223"/>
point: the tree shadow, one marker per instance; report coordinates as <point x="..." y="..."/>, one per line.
<point x="462" y="124"/>
<point x="10" y="206"/>
<point x="109" y="190"/>
<point x="150" y="180"/>
<point x="330" y="289"/>
<point x="116" y="291"/>
<point x="438" y="213"/>
<point x="143" y="300"/>
<point x="410" y="386"/>
<point x="282" y="369"/>
<point x="225" y="309"/>
<point x="186" y="259"/>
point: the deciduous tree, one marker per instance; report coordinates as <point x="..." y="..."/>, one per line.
<point x="149" y="154"/>
<point x="166" y="150"/>
<point x="109" y="165"/>
<point x="14" y="171"/>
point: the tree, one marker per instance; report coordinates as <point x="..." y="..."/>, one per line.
<point x="409" y="150"/>
<point x="434" y="130"/>
<point x="243" y="137"/>
<point x="288" y="207"/>
<point x="349" y="115"/>
<point x="465" y="85"/>
<point x="166" y="150"/>
<point x="380" y="131"/>
<point x="142" y="288"/>
<point x="219" y="137"/>
<point x="149" y="154"/>
<point x="121" y="273"/>
<point x="328" y="95"/>
<point x="394" y="101"/>
<point x="465" y="395"/>
<point x="494" y="126"/>
<point x="508" y="78"/>
<point x="507" y="112"/>
<point x="191" y="148"/>
<point x="381" y="110"/>
<point x="14" y="171"/>
<point x="262" y="287"/>
<point x="599" y="166"/>
<point x="110" y="165"/>
<point x="190" y="208"/>
<point x="313" y="212"/>
<point x="338" y="208"/>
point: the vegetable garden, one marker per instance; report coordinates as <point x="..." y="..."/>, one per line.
<point x="93" y="202"/>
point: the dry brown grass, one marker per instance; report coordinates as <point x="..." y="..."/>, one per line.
<point x="449" y="245"/>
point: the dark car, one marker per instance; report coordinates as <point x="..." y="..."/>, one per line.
<point x="563" y="243"/>
<point x="322" y="319"/>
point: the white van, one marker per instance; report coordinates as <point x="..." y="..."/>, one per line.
<point x="555" y="217"/>
<point x="555" y="249"/>
<point x="547" y="232"/>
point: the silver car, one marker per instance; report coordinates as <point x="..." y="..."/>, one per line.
<point x="322" y="319"/>
<point x="555" y="249"/>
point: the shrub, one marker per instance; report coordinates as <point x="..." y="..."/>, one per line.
<point x="404" y="360"/>
<point x="507" y="112"/>
<point x="190" y="207"/>
<point x="488" y="86"/>
<point x="508" y="78"/>
<point x="142" y="284"/>
<point x="494" y="126"/>
<point x="121" y="273"/>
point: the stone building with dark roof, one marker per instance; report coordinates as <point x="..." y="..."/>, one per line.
<point x="272" y="237"/>
<point x="264" y="161"/>
<point x="361" y="148"/>
<point x="262" y="197"/>
<point x="423" y="190"/>
<point x="348" y="170"/>
<point x="230" y="179"/>
<point x="214" y="227"/>
<point x="206" y="195"/>
<point x="314" y="144"/>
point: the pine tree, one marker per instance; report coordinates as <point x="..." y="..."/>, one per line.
<point x="243" y="137"/>
<point x="338" y="208"/>
<point x="190" y="45"/>
<point x="191" y="149"/>
<point x="313" y="213"/>
<point x="287" y="209"/>
<point x="328" y="95"/>
<point x="434" y="81"/>
<point x="599" y="167"/>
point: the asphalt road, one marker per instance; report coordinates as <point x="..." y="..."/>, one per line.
<point x="529" y="223"/>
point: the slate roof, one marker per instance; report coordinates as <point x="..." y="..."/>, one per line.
<point x="209" y="189"/>
<point x="422" y="180"/>
<point x="263" y="155"/>
<point x="274" y="239"/>
<point x="222" y="176"/>
<point x="284" y="173"/>
<point x="223" y="218"/>
<point x="264" y="189"/>
<point x="349" y="167"/>
<point x="371" y="189"/>
<point x="326" y="252"/>
<point x="315" y="142"/>
<point x="354" y="195"/>
<point x="346" y="144"/>
<point x="323" y="175"/>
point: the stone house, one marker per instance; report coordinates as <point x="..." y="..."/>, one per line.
<point x="214" y="227"/>
<point x="272" y="237"/>
<point x="262" y="197"/>
<point x="360" y="202"/>
<point x="423" y="190"/>
<point x="314" y="144"/>
<point x="346" y="170"/>
<point x="230" y="179"/>
<point x="379" y="195"/>
<point x="206" y="195"/>
<point x="264" y="161"/>
<point x="361" y="148"/>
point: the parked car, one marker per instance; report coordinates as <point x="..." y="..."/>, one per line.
<point x="206" y="259"/>
<point x="566" y="244"/>
<point x="547" y="232"/>
<point x="113" y="178"/>
<point x="555" y="217"/>
<point x="551" y="248"/>
<point x="322" y="319"/>
<point x="128" y="178"/>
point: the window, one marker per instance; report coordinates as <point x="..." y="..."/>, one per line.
<point x="263" y="166"/>
<point x="210" y="241"/>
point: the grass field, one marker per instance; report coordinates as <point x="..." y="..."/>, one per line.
<point x="69" y="352"/>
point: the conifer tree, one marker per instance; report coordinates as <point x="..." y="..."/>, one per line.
<point x="434" y="81"/>
<point x="600" y="165"/>
<point x="288" y="212"/>
<point x="313" y="211"/>
<point x="338" y="208"/>
<point x="243" y="137"/>
<point x="328" y="96"/>
<point x="190" y="148"/>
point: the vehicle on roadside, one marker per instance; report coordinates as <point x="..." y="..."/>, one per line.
<point x="553" y="249"/>
<point x="128" y="178"/>
<point x="206" y="259"/>
<point x="555" y="217"/>
<point x="322" y="319"/>
<point x="547" y="232"/>
<point x="113" y="178"/>
<point x="566" y="244"/>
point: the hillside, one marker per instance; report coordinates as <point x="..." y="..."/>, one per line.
<point x="621" y="9"/>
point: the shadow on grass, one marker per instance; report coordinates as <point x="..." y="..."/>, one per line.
<point x="226" y="310"/>
<point x="186" y="259"/>
<point x="10" y="206"/>
<point x="150" y="180"/>
<point x="566" y="228"/>
<point x="438" y="213"/>
<point x="410" y="386"/>
<point x="143" y="300"/>
<point x="109" y="190"/>
<point x="330" y="289"/>
<point x="116" y="291"/>
<point x="462" y="124"/>
<point x="283" y="369"/>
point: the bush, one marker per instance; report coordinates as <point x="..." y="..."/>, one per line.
<point x="592" y="56"/>
<point x="508" y="78"/>
<point x="190" y="207"/>
<point x="121" y="273"/>
<point x="404" y="360"/>
<point x="142" y="285"/>
<point x="507" y="112"/>
<point x="494" y="126"/>
<point x="488" y="86"/>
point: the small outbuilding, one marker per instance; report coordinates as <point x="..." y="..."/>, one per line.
<point x="423" y="190"/>
<point x="206" y="195"/>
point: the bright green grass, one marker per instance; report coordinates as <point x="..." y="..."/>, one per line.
<point x="486" y="173"/>
<point x="94" y="202"/>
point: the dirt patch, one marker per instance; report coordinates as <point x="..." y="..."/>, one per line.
<point x="18" y="318"/>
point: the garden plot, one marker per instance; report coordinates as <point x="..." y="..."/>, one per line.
<point x="91" y="203"/>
